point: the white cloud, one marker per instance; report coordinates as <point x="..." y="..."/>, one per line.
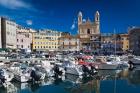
<point x="29" y="22"/>
<point x="73" y="26"/>
<point x="84" y="20"/>
<point x="14" y="4"/>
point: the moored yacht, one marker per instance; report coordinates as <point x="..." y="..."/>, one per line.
<point x="6" y="75"/>
<point x="72" y="68"/>
<point x="21" y="72"/>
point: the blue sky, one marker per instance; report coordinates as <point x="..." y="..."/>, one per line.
<point x="62" y="14"/>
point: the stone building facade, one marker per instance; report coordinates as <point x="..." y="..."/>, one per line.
<point x="89" y="32"/>
<point x="134" y="40"/>
<point x="8" y="33"/>
<point x="69" y="43"/>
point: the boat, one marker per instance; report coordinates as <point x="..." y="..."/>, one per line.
<point x="107" y="65"/>
<point x="72" y="68"/>
<point x="4" y="73"/>
<point x="48" y="68"/>
<point x="39" y="73"/>
<point x="134" y="62"/>
<point x="21" y="72"/>
<point x="51" y="60"/>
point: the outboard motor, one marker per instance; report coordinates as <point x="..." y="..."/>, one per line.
<point x="88" y="71"/>
<point x="85" y="70"/>
<point x="93" y="70"/>
<point x="34" y="76"/>
<point x="131" y="64"/>
<point x="57" y="71"/>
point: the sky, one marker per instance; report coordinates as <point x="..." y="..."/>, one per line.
<point x="62" y="15"/>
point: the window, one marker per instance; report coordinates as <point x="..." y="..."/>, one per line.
<point x="21" y="46"/>
<point x="8" y="33"/>
<point x="97" y="18"/>
<point x="127" y="46"/>
<point x="88" y="31"/>
<point x="27" y="35"/>
<point x="91" y="37"/>
<point x="17" y="40"/>
<point x="21" y="40"/>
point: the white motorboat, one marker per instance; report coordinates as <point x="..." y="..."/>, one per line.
<point x="135" y="61"/>
<point x="21" y="72"/>
<point x="107" y="64"/>
<point x="51" y="60"/>
<point x="48" y="68"/>
<point x="40" y="73"/>
<point x="72" y="68"/>
<point x="6" y="75"/>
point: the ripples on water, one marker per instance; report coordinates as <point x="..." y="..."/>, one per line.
<point x="104" y="82"/>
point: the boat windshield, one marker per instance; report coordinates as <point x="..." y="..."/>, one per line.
<point x="89" y="60"/>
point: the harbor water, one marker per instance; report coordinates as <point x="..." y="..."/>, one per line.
<point x="106" y="81"/>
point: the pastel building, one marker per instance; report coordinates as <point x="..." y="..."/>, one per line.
<point x="125" y="41"/>
<point x="8" y="33"/>
<point x="24" y="38"/>
<point x="69" y="43"/>
<point x="0" y="34"/>
<point x="46" y="40"/>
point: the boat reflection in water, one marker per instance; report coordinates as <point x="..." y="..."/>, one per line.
<point x="106" y="81"/>
<point x="134" y="77"/>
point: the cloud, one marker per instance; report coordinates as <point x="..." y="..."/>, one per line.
<point x="29" y="22"/>
<point x="14" y="4"/>
<point x="73" y="26"/>
<point x="84" y="20"/>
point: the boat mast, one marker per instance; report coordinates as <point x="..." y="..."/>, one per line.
<point x="115" y="41"/>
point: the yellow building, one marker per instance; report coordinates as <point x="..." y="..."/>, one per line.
<point x="46" y="40"/>
<point x="125" y="41"/>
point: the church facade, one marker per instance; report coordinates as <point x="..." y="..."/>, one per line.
<point x="89" y="32"/>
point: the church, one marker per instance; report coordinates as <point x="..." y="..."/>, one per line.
<point x="89" y="32"/>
